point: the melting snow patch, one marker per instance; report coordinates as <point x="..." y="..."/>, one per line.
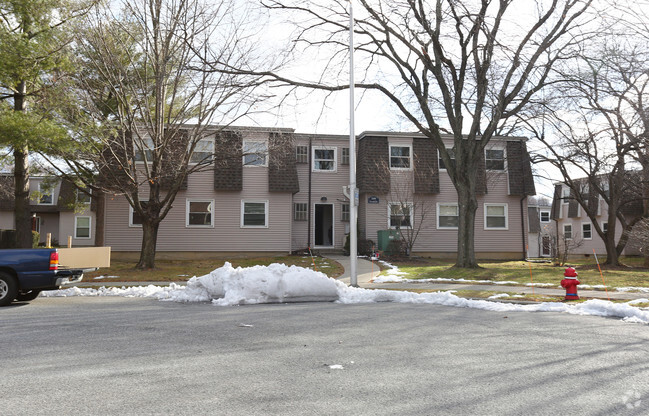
<point x="280" y="283"/>
<point x="336" y="367"/>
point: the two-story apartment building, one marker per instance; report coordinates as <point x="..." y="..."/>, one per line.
<point x="576" y="230"/>
<point x="285" y="193"/>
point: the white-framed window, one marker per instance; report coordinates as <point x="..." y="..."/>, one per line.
<point x="399" y="215"/>
<point x="495" y="217"/>
<point x="143" y="149"/>
<point x="46" y="194"/>
<point x="302" y="154"/>
<point x="448" y="216"/>
<point x="495" y="159"/>
<point x="400" y="157"/>
<point x="344" y="213"/>
<point x="605" y="227"/>
<point x="324" y="159"/>
<point x="83" y="197"/>
<point x="134" y="219"/>
<point x="544" y="216"/>
<point x="254" y="214"/>
<point x="82" y="227"/>
<point x="451" y="154"/>
<point x="255" y="153"/>
<point x="300" y="211"/>
<point x="567" y="231"/>
<point x="203" y="151"/>
<point x="344" y="157"/>
<point x="587" y="230"/>
<point x="200" y="213"/>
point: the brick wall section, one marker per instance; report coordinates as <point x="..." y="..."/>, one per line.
<point x="373" y="170"/>
<point x="426" y="166"/>
<point x="282" y="172"/>
<point x="521" y="181"/>
<point x="556" y="203"/>
<point x="228" y="166"/>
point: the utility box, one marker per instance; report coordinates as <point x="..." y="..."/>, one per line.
<point x="385" y="237"/>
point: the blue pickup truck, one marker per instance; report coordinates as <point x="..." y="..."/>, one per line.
<point x="24" y="273"/>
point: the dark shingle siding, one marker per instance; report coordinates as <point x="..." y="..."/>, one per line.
<point x="521" y="180"/>
<point x="228" y="166"/>
<point x="426" y="166"/>
<point x="556" y="202"/>
<point x="282" y="172"/>
<point x="373" y="173"/>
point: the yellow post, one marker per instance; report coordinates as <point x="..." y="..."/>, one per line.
<point x="48" y="240"/>
<point x="69" y="241"/>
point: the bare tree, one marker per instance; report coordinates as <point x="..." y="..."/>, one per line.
<point x="148" y="108"/>
<point x="464" y="68"/>
<point x="598" y="137"/>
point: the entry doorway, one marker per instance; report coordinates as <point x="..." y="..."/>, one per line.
<point x="324" y="225"/>
<point x="546" y="248"/>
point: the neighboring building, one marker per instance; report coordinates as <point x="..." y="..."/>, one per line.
<point x="576" y="229"/>
<point x="268" y="202"/>
<point x="57" y="208"/>
<point x="542" y="230"/>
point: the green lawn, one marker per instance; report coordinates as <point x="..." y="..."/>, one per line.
<point x="175" y="270"/>
<point x="519" y="271"/>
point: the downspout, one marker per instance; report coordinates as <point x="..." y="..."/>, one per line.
<point x="523" y="227"/>
<point x="308" y="234"/>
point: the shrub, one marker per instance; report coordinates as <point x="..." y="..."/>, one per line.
<point x="36" y="236"/>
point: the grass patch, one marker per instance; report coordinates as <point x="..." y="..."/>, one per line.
<point x="180" y="270"/>
<point x="519" y="271"/>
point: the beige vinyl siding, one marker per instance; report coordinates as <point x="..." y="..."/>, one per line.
<point x="67" y="224"/>
<point x="6" y="220"/>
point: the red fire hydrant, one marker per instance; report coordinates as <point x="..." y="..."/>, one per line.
<point x="570" y="283"/>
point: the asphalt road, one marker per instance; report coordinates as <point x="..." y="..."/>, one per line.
<point x="127" y="356"/>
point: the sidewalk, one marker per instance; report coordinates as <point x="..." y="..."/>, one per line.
<point x="366" y="271"/>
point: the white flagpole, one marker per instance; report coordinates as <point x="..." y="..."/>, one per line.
<point x="353" y="192"/>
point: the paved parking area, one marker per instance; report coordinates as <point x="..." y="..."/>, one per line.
<point x="128" y="356"/>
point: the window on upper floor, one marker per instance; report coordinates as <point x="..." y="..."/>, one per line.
<point x="255" y="153"/>
<point x="143" y="149"/>
<point x="344" y="158"/>
<point x="400" y="214"/>
<point x="302" y="154"/>
<point x="544" y="216"/>
<point x="83" y="197"/>
<point x="46" y="194"/>
<point x="203" y="152"/>
<point x="451" y="154"/>
<point x="447" y="215"/>
<point x="495" y="159"/>
<point x="565" y="193"/>
<point x="400" y="157"/>
<point x="605" y="227"/>
<point x="495" y="217"/>
<point x="324" y="159"/>
<point x="300" y="211"/>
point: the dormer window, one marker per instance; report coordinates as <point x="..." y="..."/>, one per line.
<point x="255" y="153"/>
<point x="495" y="159"/>
<point x="400" y="157"/>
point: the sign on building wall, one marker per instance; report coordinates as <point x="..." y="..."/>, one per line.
<point x="373" y="200"/>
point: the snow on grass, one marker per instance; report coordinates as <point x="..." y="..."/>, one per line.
<point x="280" y="283"/>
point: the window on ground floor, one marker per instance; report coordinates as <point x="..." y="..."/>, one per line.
<point x="135" y="220"/>
<point x="199" y="213"/>
<point x="567" y="232"/>
<point x="400" y="214"/>
<point x="254" y="214"/>
<point x="81" y="227"/>
<point x="587" y="231"/>
<point x="344" y="212"/>
<point x="495" y="217"/>
<point x="447" y="216"/>
<point x="300" y="212"/>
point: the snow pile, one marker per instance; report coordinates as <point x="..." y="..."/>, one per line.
<point x="280" y="283"/>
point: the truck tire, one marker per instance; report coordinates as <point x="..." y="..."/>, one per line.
<point x="28" y="295"/>
<point x="8" y="289"/>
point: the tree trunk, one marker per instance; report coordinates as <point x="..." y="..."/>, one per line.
<point x="149" y="241"/>
<point x="22" y="210"/>
<point x="100" y="201"/>
<point x="467" y="204"/>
